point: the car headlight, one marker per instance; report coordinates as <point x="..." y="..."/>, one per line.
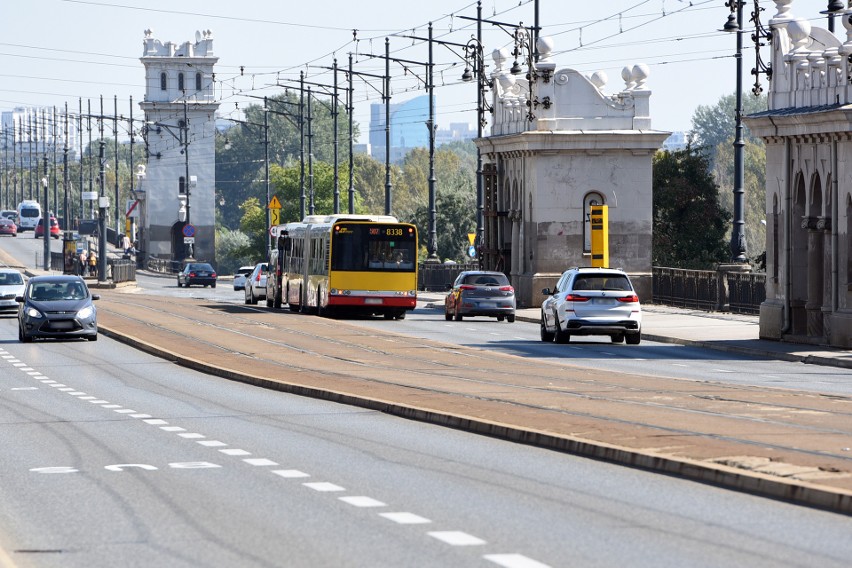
<point x="86" y="312"/>
<point x="33" y="313"/>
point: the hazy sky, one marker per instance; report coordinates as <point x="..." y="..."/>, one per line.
<point x="56" y="51"/>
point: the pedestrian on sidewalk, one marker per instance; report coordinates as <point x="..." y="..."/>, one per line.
<point x="93" y="263"/>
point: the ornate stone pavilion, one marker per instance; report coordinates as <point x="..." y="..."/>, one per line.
<point x="808" y="135"/>
<point x="559" y="143"/>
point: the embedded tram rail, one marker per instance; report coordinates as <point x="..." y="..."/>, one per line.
<point x="784" y="444"/>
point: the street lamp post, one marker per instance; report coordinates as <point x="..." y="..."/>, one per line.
<point x="45" y="220"/>
<point x="738" y="242"/>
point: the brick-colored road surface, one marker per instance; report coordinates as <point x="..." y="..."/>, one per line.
<point x="786" y="444"/>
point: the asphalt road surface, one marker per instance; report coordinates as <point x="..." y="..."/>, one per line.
<point x="116" y="458"/>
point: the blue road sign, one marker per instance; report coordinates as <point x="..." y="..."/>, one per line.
<point x="189" y="230"/>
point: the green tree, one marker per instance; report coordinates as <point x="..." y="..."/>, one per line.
<point x="286" y="182"/>
<point x="233" y="249"/>
<point x="714" y="125"/>
<point x="755" y="192"/>
<point x="689" y="223"/>
<point x="240" y="150"/>
<point x="253" y="224"/>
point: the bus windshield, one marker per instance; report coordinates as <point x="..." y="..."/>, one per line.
<point x="373" y="247"/>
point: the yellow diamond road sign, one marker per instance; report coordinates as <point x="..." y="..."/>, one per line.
<point x="274" y="203"/>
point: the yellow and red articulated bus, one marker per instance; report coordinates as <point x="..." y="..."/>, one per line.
<point x="345" y="264"/>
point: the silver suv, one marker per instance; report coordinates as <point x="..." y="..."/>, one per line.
<point x="592" y="301"/>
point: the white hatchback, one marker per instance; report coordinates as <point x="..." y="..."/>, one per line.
<point x="592" y="301"/>
<point x="256" y="284"/>
<point x="12" y="284"/>
<point x="240" y="277"/>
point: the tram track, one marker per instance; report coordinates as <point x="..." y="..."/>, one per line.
<point x="482" y="357"/>
<point x="684" y="418"/>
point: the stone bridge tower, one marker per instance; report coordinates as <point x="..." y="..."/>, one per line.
<point x="180" y="128"/>
<point x="558" y="145"/>
<point x="808" y="135"/>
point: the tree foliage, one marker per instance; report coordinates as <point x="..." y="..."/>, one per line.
<point x="713" y="128"/>
<point x="241" y="151"/>
<point x="233" y="249"/>
<point x="714" y="125"/>
<point x="689" y="222"/>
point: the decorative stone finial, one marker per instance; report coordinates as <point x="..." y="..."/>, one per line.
<point x="639" y="74"/>
<point x="544" y="45"/>
<point x="499" y="56"/>
<point x="599" y="79"/>
<point x="627" y="76"/>
<point x="782" y="13"/>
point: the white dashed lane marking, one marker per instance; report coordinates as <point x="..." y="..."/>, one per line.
<point x="457" y="538"/>
<point x="261" y="462"/>
<point x="323" y="486"/>
<point x="405" y="518"/>
<point x="453" y="538"/>
<point x="361" y="501"/>
<point x="290" y="473"/>
<point x="235" y="452"/>
<point x="513" y="561"/>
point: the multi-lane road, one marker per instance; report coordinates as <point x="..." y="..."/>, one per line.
<point x="114" y="457"/>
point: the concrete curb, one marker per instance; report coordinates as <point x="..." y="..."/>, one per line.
<point x="797" y="492"/>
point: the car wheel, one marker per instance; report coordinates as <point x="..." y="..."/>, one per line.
<point x="633" y="338"/>
<point x="400" y="315"/>
<point x="560" y="336"/>
<point x="23" y="338"/>
<point x="510" y="318"/>
<point x="500" y="318"/>
<point x="617" y="337"/>
<point x="546" y="336"/>
<point x="179" y="284"/>
<point x="93" y="337"/>
<point x="213" y="285"/>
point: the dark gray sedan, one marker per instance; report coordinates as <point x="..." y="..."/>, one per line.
<point x="480" y="293"/>
<point x="57" y="307"/>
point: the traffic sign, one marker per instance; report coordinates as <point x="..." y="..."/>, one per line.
<point x="275" y="216"/>
<point x="189" y="240"/>
<point x="471" y="252"/>
<point x="188" y="230"/>
<point x="132" y="209"/>
<point x="471" y="237"/>
<point x="274" y="203"/>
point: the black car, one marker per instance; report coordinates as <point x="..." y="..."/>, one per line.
<point x="57" y="307"/>
<point x="200" y="273"/>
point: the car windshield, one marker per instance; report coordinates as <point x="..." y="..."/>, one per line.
<point x="56" y="291"/>
<point x="486" y="279"/>
<point x="11" y="279"/>
<point x="609" y="282"/>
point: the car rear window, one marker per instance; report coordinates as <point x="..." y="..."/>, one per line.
<point x="613" y="282"/>
<point x="486" y="279"/>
